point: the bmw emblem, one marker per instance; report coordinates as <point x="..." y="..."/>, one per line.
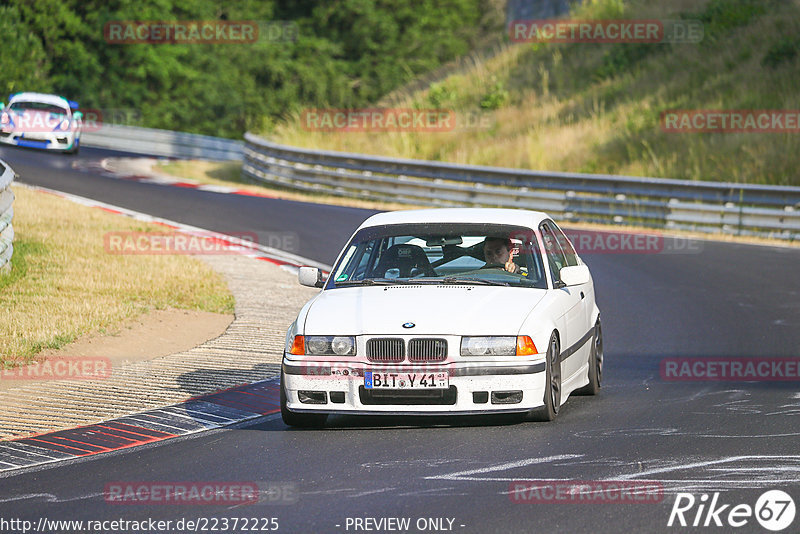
<point x="409" y="325"/>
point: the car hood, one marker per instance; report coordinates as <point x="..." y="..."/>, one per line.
<point x="434" y="310"/>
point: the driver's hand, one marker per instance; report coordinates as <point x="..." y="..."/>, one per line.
<point x="510" y="266"/>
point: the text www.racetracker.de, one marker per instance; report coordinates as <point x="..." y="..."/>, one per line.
<point x="200" y="524"/>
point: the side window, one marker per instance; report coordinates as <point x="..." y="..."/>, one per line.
<point x="555" y="256"/>
<point x="566" y="246"/>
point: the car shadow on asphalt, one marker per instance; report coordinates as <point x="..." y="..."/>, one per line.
<point x="394" y="422"/>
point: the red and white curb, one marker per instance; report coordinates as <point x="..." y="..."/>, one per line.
<point x="104" y="168"/>
<point x="206" y="412"/>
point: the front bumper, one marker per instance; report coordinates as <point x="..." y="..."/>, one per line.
<point x="46" y="141"/>
<point x="475" y="388"/>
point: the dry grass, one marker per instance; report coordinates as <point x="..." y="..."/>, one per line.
<point x="63" y="284"/>
<point x="563" y="114"/>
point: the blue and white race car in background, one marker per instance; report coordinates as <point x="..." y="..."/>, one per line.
<point x="39" y="120"/>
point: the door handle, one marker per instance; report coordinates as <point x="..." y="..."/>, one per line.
<point x="582" y="295"/>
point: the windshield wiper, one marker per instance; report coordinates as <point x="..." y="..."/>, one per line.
<point x="474" y="281"/>
<point x="373" y="282"/>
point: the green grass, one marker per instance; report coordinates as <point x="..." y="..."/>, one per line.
<point x="24" y="250"/>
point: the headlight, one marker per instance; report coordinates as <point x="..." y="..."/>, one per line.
<point x="344" y="346"/>
<point x="498" y="346"/>
<point x="489" y="346"/>
<point x="330" y="345"/>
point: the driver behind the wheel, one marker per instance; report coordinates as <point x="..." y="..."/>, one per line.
<point x="498" y="251"/>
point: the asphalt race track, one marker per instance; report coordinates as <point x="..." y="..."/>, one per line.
<point x="737" y="438"/>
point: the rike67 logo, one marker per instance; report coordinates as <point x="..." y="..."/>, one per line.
<point x="774" y="510"/>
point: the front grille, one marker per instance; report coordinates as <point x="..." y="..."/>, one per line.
<point x="427" y="350"/>
<point x="389" y="349"/>
<point x="408" y="397"/>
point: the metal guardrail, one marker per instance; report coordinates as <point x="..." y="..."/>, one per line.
<point x="711" y="207"/>
<point x="7" y="176"/>
<point x="162" y="143"/>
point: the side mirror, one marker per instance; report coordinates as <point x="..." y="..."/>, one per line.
<point x="2" y="106"/>
<point x="575" y="275"/>
<point x="77" y="115"/>
<point x="310" y="276"/>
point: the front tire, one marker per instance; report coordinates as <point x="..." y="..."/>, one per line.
<point x="300" y="420"/>
<point x="595" y="363"/>
<point x="552" y="390"/>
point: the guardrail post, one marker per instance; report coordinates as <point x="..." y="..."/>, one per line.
<point x="741" y="209"/>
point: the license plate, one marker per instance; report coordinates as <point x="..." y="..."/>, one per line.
<point x="437" y="380"/>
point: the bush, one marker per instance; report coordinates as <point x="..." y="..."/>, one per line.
<point x="622" y="58"/>
<point x="600" y="9"/>
<point x="722" y="15"/>
<point x="496" y="98"/>
<point x="785" y="49"/>
<point x="440" y="96"/>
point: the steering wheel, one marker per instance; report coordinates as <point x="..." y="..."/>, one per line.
<point x="494" y="266"/>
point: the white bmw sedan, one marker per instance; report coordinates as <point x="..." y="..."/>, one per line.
<point x="445" y="311"/>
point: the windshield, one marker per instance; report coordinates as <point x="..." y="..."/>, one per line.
<point x="38" y="106"/>
<point x="478" y="254"/>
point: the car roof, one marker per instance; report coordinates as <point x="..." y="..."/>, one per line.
<point x="525" y="218"/>
<point x="40" y="97"/>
